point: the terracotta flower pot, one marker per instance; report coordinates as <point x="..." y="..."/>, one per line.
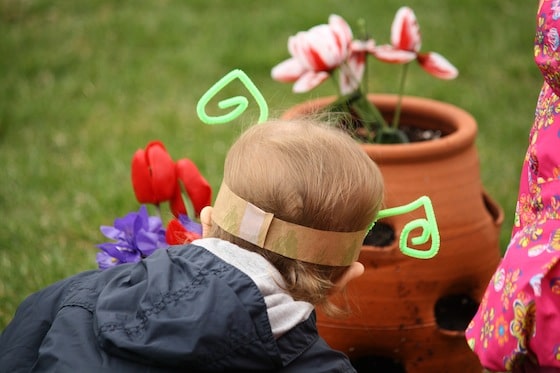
<point x="411" y="313"/>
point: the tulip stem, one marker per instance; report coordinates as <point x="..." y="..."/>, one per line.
<point x="397" y="114"/>
<point x="362" y="25"/>
<point x="158" y="209"/>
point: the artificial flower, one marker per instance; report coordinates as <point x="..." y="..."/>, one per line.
<point x="156" y="178"/>
<point x="153" y="174"/>
<point x="182" y="230"/>
<point x="195" y="185"/>
<point x="135" y="236"/>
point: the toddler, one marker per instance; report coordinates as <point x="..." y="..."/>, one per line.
<point x="285" y="232"/>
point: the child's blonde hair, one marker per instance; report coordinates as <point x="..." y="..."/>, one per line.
<point x="310" y="174"/>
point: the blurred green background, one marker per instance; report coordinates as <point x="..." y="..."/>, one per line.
<point x="84" y="84"/>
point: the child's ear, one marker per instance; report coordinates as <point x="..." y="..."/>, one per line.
<point x="206" y="220"/>
<point x="355" y="270"/>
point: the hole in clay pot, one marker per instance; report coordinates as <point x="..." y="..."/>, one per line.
<point x="378" y="364"/>
<point x="493" y="209"/>
<point x="381" y="234"/>
<point x="454" y="312"/>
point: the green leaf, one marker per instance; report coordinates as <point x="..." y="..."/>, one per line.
<point x="390" y="135"/>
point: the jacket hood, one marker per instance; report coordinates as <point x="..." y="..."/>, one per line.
<point x="184" y="306"/>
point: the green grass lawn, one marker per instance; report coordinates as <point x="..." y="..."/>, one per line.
<point x="84" y="84"/>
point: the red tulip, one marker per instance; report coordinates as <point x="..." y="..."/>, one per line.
<point x="153" y="174"/>
<point x="197" y="188"/>
<point x="177" y="234"/>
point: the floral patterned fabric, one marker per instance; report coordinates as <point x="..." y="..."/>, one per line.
<point x="519" y="315"/>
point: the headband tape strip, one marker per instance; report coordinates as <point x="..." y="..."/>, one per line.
<point x="248" y="222"/>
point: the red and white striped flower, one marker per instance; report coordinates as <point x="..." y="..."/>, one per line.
<point x="315" y="54"/>
<point x="405" y="47"/>
<point x="329" y="50"/>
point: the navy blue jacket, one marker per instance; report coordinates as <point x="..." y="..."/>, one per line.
<point x="180" y="310"/>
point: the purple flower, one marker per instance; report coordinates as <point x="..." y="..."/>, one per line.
<point x="190" y="225"/>
<point x="135" y="236"/>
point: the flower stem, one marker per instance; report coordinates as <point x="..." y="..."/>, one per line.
<point x="374" y="111"/>
<point x="397" y="115"/>
<point x="363" y="30"/>
<point x="334" y="81"/>
<point x="158" y="210"/>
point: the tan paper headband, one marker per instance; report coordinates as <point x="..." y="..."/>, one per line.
<point x="248" y="222"/>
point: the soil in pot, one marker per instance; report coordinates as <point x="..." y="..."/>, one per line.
<point x="416" y="134"/>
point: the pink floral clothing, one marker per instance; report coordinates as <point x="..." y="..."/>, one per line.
<point x="519" y="315"/>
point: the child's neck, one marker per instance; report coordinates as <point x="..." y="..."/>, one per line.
<point x="283" y="311"/>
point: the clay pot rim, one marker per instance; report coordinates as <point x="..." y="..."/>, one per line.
<point x="458" y="125"/>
